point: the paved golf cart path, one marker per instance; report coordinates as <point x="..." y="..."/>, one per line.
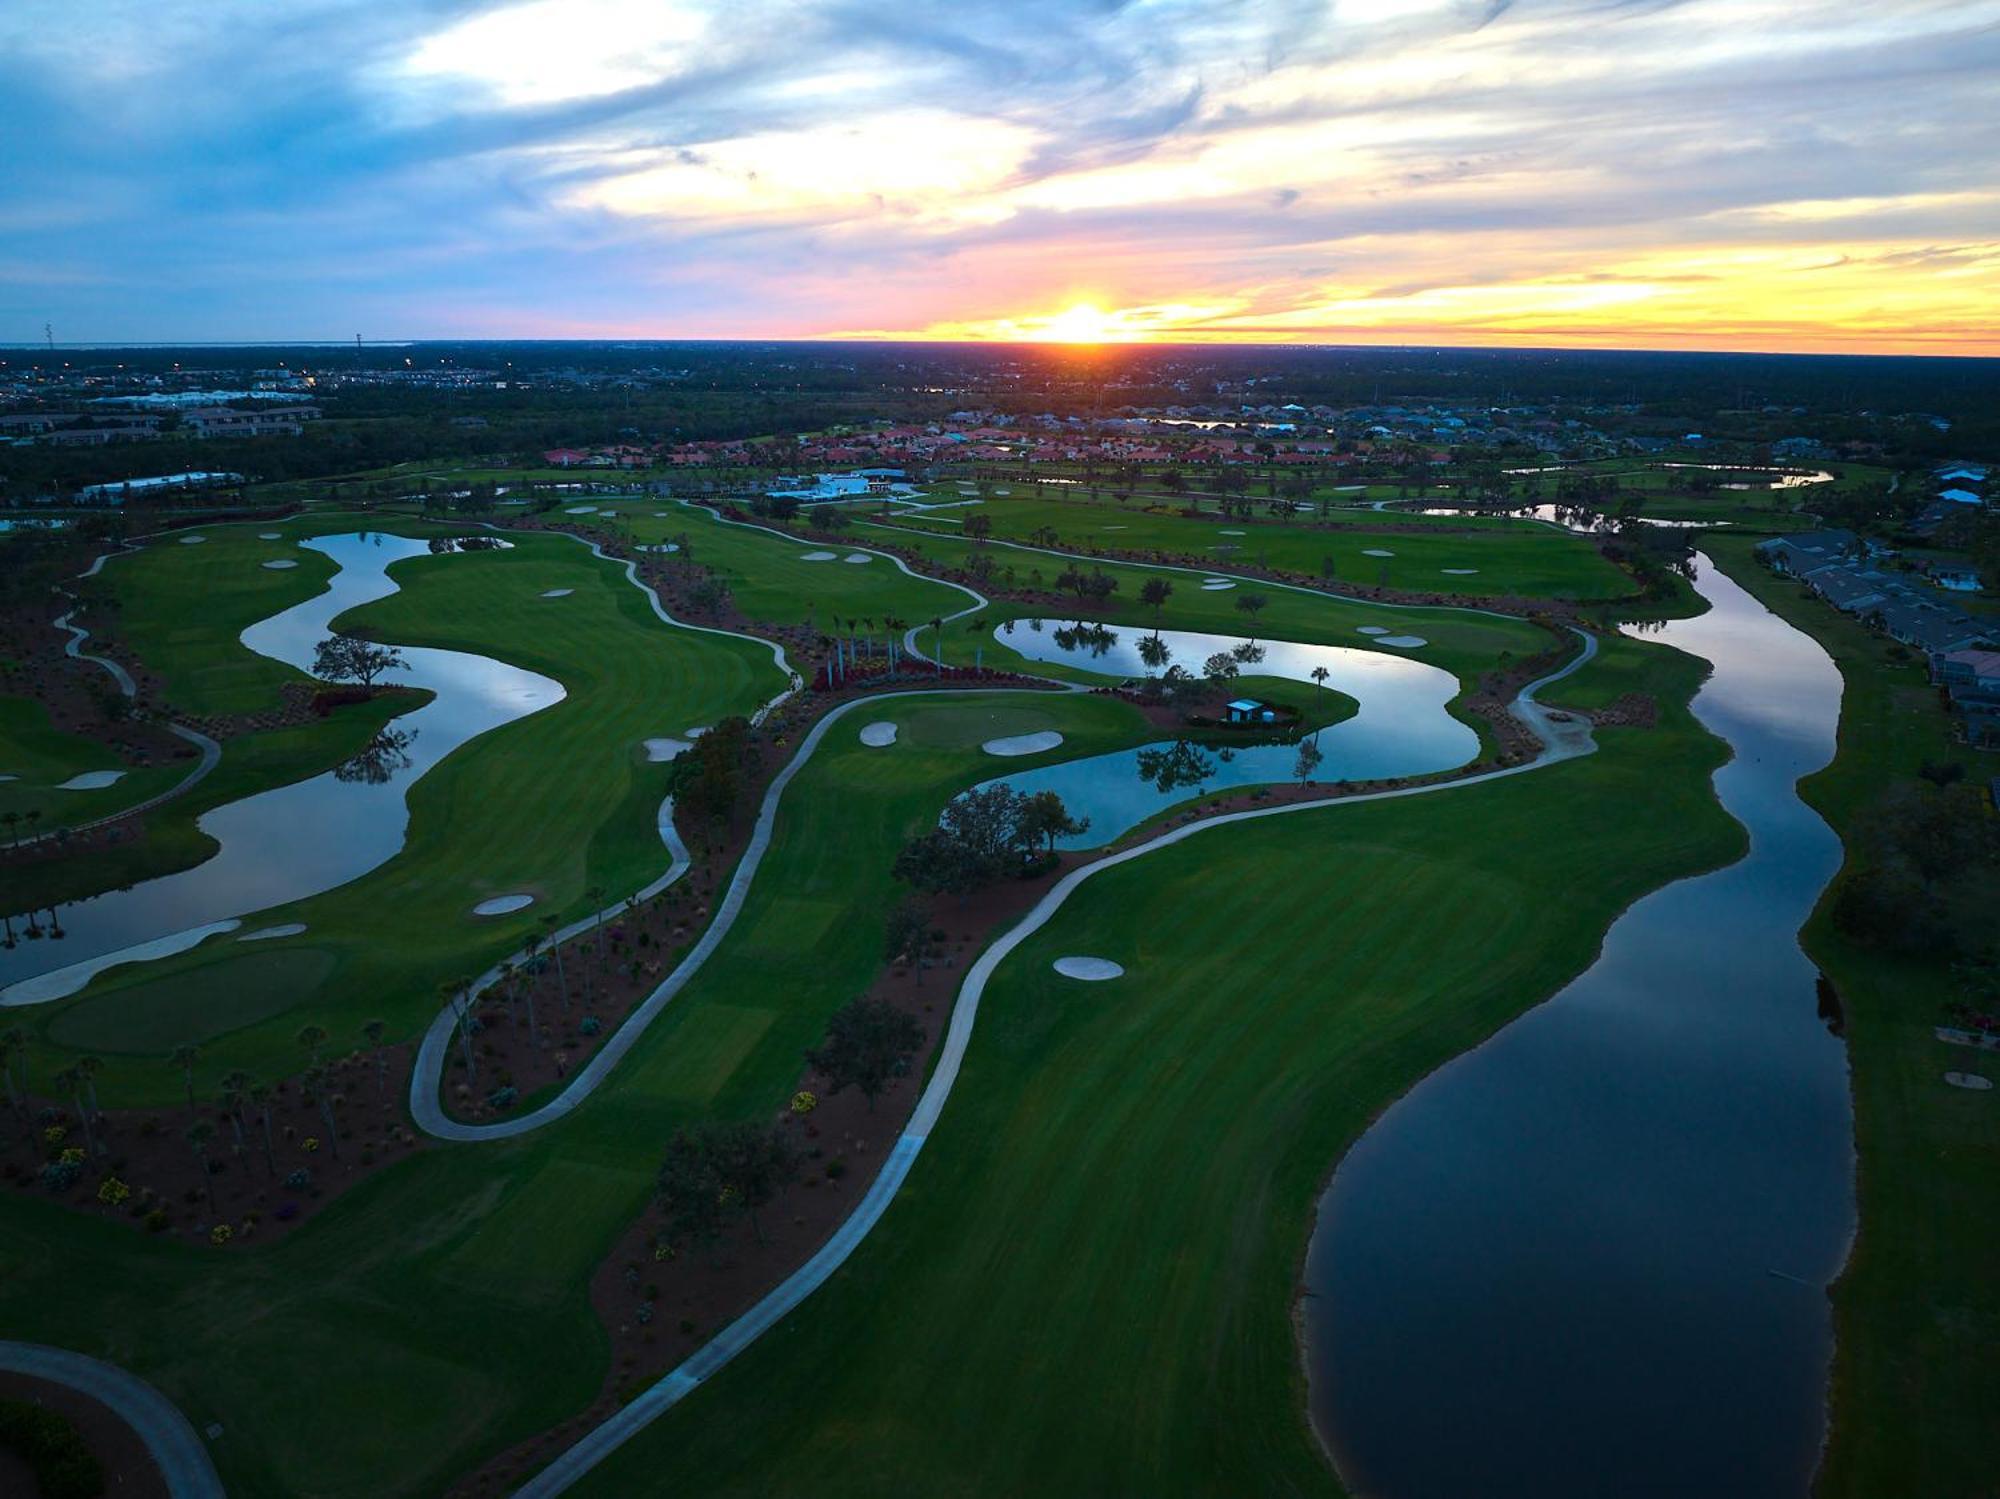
<point x="1563" y="738"/>
<point x="168" y="1435"/>
<point x="211" y="752"/>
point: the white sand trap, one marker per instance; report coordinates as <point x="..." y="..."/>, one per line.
<point x="581" y="510"/>
<point x="1406" y="642"/>
<point x="501" y="905"/>
<point x="1216" y="585"/>
<point x="557" y="593"/>
<point x="268" y="536"/>
<point x="1375" y="552"/>
<point x="279" y="564"/>
<point x="659" y="515"/>
<point x="92" y="780"/>
<point x="193" y="541"/>
<point x="816" y="556"/>
<point x="857" y="557"/>
<point x="1003" y="491"/>
<point x="1232" y="533"/>
<point x="1459" y="572"/>
<point x="1970" y="1080"/>
<point x="665" y="748"/>
<point x="879" y="735"/>
<point x="1023" y="744"/>
<point x="1372" y="629"/>
<point x="1115" y="528"/>
<point x="9" y="778"/>
<point x="288" y="929"/>
<point x="1091" y="970"/>
<point x="697" y="731"/>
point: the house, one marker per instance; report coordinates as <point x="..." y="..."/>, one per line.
<point x="1248" y="710"/>
<point x="1973" y="670"/>
<point x="1849" y="591"/>
<point x="1802" y="551"/>
<point x="564" y="457"/>
<point x="1927" y="627"/>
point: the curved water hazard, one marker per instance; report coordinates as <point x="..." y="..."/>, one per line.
<point x="1401" y="725"/>
<point x="299" y="840"/>
<point x="1590" y="1257"/>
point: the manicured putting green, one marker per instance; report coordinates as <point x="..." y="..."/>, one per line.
<point x="193" y="1005"/>
<point x="969" y="727"/>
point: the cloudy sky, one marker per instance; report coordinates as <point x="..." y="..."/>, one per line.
<point x="1671" y="173"/>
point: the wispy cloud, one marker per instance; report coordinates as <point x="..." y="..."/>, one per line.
<point x="1769" y="173"/>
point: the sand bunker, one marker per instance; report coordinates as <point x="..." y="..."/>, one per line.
<point x="268" y="536"/>
<point x="1372" y="629"/>
<point x="581" y="510"/>
<point x="500" y="905"/>
<point x="191" y="541"/>
<point x="857" y="557"/>
<point x="816" y="556"/>
<point x="1232" y="533"/>
<point x="665" y="748"/>
<point x="697" y="731"/>
<point x="1406" y="642"/>
<point x="1970" y="1080"/>
<point x="92" y="780"/>
<point x="1091" y="970"/>
<point x="879" y="735"/>
<point x="1023" y="744"/>
<point x="9" y="778"/>
<point x="1375" y="552"/>
<point x="557" y="593"/>
<point x="1115" y="528"/>
<point x="279" y="564"/>
<point x="1459" y="572"/>
<point x="1216" y="585"/>
<point x="289" y="929"/>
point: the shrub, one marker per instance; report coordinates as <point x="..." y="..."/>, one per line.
<point x="156" y="1221"/>
<point x="299" y="1180"/>
<point x="112" y="1191"/>
<point x="590" y="1025"/>
<point x="60" y="1176"/>
<point x="836" y="1168"/>
<point x="502" y="1098"/>
<point x="64" y="1467"/>
<point x="222" y="1233"/>
<point x="804" y="1102"/>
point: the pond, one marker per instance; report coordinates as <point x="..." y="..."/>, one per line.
<point x="1400" y="726"/>
<point x="292" y="841"/>
<point x="1591" y="1256"/>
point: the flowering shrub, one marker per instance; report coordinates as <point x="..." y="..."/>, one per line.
<point x="55" y="1134"/>
<point x="222" y="1233"/>
<point x="72" y="1156"/>
<point x="112" y="1191"/>
<point x="299" y="1180"/>
<point x="804" y="1102"/>
<point x="309" y="1144"/>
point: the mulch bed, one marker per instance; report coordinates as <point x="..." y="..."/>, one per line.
<point x="129" y="1469"/>
<point x="147" y="1174"/>
<point x="657" y="1310"/>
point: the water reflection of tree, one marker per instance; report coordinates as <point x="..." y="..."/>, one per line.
<point x="1173" y="766"/>
<point x="1086" y="635"/>
<point x="380" y="761"/>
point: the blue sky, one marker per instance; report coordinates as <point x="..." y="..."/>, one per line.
<point x="1735" y="175"/>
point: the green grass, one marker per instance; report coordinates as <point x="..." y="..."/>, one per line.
<point x="554" y="803"/>
<point x="42" y="756"/>
<point x="769" y="582"/>
<point x="1086" y="1285"/>
<point x="1511" y="557"/>
<point x="451" y="1290"/>
<point x="1917" y="1311"/>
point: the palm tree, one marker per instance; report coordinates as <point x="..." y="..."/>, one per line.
<point x="13" y="1044"/>
<point x="184" y="1057"/>
<point x="87" y="1068"/>
<point x="458" y="994"/>
<point x="562" y="979"/>
<point x="234" y="1085"/>
<point x="320" y="1092"/>
<point x="71" y="1082"/>
<point x="312" y="1038"/>
<point x="198" y="1135"/>
<point x="260" y="1099"/>
<point x="1319" y="676"/>
<point x="374" y="1030"/>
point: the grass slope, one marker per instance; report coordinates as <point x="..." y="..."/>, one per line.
<point x="1086" y="1286"/>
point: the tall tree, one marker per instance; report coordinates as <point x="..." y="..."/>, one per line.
<point x="868" y="1042"/>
